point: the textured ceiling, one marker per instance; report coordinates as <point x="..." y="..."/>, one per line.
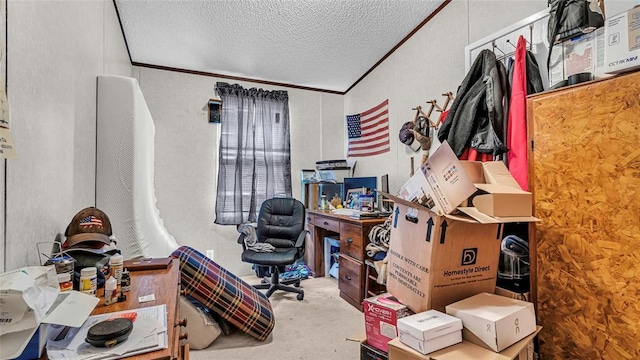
<point x="322" y="44"/>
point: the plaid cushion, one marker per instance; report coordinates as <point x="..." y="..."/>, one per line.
<point x="224" y="293"/>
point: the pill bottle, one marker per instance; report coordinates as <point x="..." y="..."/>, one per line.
<point x="64" y="281"/>
<point x="110" y="295"/>
<point x="88" y="280"/>
<point x="125" y="283"/>
<point x="63" y="264"/>
<point x="115" y="266"/>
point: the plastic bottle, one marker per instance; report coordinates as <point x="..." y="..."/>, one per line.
<point x="110" y="287"/>
<point x="126" y="281"/>
<point x="88" y="280"/>
<point x="323" y="202"/>
<point x="64" y="281"/>
<point x="115" y="266"/>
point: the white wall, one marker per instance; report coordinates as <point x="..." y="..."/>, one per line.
<point x="423" y="68"/>
<point x="186" y="154"/>
<point x="55" y="50"/>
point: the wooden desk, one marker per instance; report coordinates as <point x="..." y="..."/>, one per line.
<point x="354" y="238"/>
<point x="165" y="284"/>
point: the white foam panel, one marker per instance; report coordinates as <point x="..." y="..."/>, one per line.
<point x="125" y="169"/>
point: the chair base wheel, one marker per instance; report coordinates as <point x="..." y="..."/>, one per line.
<point x="300" y="296"/>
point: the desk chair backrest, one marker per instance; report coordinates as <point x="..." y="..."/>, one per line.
<point x="280" y="222"/>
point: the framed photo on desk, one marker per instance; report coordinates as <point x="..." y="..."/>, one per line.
<point x="353" y="198"/>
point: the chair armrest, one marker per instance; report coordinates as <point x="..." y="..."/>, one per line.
<point x="241" y="241"/>
<point x="301" y="237"/>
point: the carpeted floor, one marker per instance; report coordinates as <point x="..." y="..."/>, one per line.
<point x="312" y="329"/>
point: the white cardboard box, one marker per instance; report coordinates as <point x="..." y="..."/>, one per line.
<point x="441" y="184"/>
<point x="429" y="331"/>
<point x="622" y="37"/>
<point x="494" y="321"/>
<point x="585" y="54"/>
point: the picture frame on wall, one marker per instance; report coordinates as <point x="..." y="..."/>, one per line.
<point x="215" y="111"/>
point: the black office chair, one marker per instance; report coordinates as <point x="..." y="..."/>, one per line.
<point x="281" y="224"/>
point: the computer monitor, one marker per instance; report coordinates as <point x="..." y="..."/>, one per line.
<point x="385" y="183"/>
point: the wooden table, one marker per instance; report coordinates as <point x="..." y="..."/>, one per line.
<point x="354" y="237"/>
<point x="165" y="285"/>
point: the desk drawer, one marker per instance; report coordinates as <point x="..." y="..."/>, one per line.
<point x="350" y="282"/>
<point x="351" y="241"/>
<point x="311" y="219"/>
<point x="326" y="223"/>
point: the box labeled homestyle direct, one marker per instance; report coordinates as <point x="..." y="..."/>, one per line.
<point x="494" y="321"/>
<point x="429" y="331"/>
<point x="622" y="37"/>
<point x="381" y="314"/>
<point x="436" y="260"/>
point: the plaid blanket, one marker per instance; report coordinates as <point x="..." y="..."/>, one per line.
<point x="224" y="293"/>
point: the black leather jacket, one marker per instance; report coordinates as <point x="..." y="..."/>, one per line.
<point x="479" y="109"/>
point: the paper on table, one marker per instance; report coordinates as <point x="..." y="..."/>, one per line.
<point x="347" y="212"/>
<point x="71" y="309"/>
<point x="149" y="333"/>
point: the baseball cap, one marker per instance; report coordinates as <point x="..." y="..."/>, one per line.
<point x="90" y="228"/>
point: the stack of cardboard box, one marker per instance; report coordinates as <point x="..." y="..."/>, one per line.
<point x="446" y="232"/>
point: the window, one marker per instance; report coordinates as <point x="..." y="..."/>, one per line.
<point x="254" y="154"/>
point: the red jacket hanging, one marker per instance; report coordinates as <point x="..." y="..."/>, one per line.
<point x="517" y="124"/>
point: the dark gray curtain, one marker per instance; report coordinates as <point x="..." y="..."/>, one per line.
<point x="254" y="154"/>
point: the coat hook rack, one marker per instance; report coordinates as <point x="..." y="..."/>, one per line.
<point x="448" y="97"/>
<point x="493" y="44"/>
<point x="434" y="105"/>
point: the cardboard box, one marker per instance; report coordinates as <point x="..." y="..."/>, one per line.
<point x="494" y="321"/>
<point x="622" y="37"/>
<point x="368" y="352"/>
<point x="436" y="260"/>
<point x="615" y="7"/>
<point x="524" y="296"/>
<point x="441" y="185"/>
<point x="499" y="198"/>
<point x="429" y="331"/>
<point x="522" y="350"/>
<point x="381" y="314"/>
<point x="585" y="53"/>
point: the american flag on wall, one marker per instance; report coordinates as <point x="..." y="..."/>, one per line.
<point x="368" y="132"/>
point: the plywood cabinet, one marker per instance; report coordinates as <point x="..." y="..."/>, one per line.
<point x="585" y="175"/>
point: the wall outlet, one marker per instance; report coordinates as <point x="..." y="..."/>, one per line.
<point x="210" y="254"/>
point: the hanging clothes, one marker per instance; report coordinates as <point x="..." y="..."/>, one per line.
<point x="517" y="155"/>
<point x="476" y="116"/>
